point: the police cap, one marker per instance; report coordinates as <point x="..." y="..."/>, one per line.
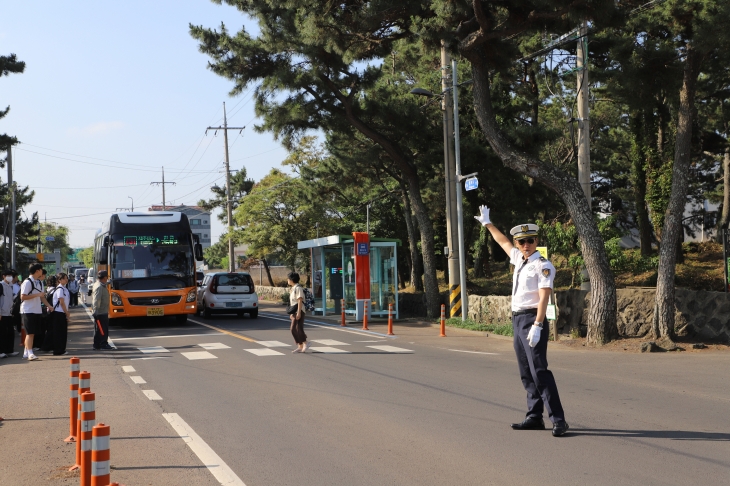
<point x="524" y="231"/>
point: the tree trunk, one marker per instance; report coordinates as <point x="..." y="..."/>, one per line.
<point x="482" y="252"/>
<point x="602" y="314"/>
<point x="663" y="324"/>
<point x="268" y="272"/>
<point x="416" y="281"/>
<point x="725" y="217"/>
<point x="638" y="173"/>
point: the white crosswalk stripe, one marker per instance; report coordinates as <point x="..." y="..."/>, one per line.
<point x="330" y="342"/>
<point x="264" y="352"/>
<point x="274" y="344"/>
<point x="328" y="350"/>
<point x="391" y="349"/>
<point x="154" y="349"/>
<point x="199" y="355"/>
<point x="210" y="346"/>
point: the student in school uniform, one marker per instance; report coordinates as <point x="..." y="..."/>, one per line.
<point x="73" y="288"/>
<point x="7" y="329"/>
<point x="60" y="315"/>
<point x="31" y="313"/>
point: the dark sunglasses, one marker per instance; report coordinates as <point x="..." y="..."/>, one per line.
<point x="523" y="240"/>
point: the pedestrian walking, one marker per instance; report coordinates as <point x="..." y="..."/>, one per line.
<point x="60" y="316"/>
<point x="31" y="313"/>
<point x="532" y="284"/>
<point x="7" y="327"/>
<point x="100" y="311"/>
<point x="296" y="313"/>
<point x="73" y="288"/>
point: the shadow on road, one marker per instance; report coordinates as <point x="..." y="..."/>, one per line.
<point x="654" y="434"/>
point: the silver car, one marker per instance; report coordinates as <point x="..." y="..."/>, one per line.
<point x="228" y="293"/>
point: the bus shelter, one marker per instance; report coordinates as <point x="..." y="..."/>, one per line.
<point x="355" y="268"/>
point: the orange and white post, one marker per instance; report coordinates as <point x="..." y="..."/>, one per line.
<point x="443" y="321"/>
<point x="84" y="386"/>
<point x="390" y="320"/>
<point x="365" y="307"/>
<point x="100" y="455"/>
<point x="88" y="420"/>
<point x="73" y="401"/>
<point x="342" y="305"/>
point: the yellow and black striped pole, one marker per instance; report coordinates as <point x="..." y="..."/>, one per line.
<point x="455" y="300"/>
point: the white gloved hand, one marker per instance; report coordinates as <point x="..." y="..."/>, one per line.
<point x="533" y="337"/>
<point x="484" y="216"/>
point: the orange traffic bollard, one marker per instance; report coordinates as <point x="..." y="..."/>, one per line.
<point x="73" y="402"/>
<point x="84" y="386"/>
<point x="443" y="321"/>
<point x="342" y="304"/>
<point x="100" y="455"/>
<point x="390" y="320"/>
<point x="88" y="419"/>
<point x="365" y="306"/>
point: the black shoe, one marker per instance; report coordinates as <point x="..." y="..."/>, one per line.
<point x="106" y="347"/>
<point x="96" y="349"/>
<point x="560" y="428"/>
<point x="530" y="423"/>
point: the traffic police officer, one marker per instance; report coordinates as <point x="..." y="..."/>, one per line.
<point x="532" y="284"/>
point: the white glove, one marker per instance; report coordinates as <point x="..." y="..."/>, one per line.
<point x="533" y="337"/>
<point x="484" y="216"/>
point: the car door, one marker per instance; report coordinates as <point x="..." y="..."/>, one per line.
<point x="201" y="291"/>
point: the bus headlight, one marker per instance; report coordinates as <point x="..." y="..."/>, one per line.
<point x="192" y="295"/>
<point x="116" y="300"/>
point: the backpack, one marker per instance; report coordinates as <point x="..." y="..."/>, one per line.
<point x="49" y="294"/>
<point x="308" y="300"/>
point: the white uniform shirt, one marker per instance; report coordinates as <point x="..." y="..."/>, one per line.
<point x="60" y="292"/>
<point x="31" y="286"/>
<point x="529" y="276"/>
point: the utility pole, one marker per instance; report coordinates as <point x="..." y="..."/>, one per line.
<point x="584" y="155"/>
<point x="11" y="186"/>
<point x="452" y="237"/>
<point x="459" y="211"/>
<point x="163" y="189"/>
<point x="229" y="202"/>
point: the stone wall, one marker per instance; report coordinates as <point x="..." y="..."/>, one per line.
<point x="272" y="294"/>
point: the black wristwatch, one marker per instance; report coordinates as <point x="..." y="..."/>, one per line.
<point x="538" y="324"/>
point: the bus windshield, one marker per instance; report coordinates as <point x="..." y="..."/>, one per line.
<point x="165" y="258"/>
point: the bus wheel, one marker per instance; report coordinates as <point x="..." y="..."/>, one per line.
<point x="181" y="319"/>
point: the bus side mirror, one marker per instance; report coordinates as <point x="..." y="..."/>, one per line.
<point x="198" y="252"/>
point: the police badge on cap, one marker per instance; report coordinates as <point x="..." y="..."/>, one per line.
<point x="524" y="231"/>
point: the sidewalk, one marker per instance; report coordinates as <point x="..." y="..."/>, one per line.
<point x="145" y="450"/>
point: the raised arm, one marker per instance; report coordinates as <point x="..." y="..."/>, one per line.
<point x="498" y="236"/>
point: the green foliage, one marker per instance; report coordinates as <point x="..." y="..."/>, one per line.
<point x="216" y="255"/>
<point x="240" y="186"/>
<point x="472" y="325"/>
<point x="86" y="256"/>
<point x="60" y="239"/>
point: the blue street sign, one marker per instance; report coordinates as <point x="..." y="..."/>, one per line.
<point x="472" y="184"/>
<point x="363" y="249"/>
<point x="50" y="238"/>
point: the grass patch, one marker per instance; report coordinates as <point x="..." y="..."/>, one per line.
<point x="501" y="329"/>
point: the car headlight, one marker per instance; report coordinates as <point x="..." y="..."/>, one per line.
<point x="116" y="299"/>
<point x="192" y="295"/>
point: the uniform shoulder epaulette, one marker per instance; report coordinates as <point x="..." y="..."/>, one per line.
<point x="543" y="259"/>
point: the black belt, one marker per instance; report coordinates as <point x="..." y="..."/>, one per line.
<point x="526" y="311"/>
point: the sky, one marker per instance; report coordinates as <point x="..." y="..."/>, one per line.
<point x="111" y="93"/>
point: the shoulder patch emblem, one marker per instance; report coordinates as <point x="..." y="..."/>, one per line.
<point x="546" y="272"/>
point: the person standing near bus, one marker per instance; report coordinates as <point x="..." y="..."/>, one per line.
<point x="31" y="313"/>
<point x="100" y="311"/>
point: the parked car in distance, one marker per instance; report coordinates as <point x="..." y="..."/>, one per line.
<point x="228" y="293"/>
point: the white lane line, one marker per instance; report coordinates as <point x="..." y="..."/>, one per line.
<point x="329" y="326"/>
<point x="128" y="369"/>
<point x="138" y="380"/>
<point x="154" y="349"/>
<point x="199" y="355"/>
<point x="470" y="352"/>
<point x="331" y="342"/>
<point x="124" y="339"/>
<point x="152" y="395"/>
<point x="207" y="456"/>
<point x="154" y="357"/>
<point x="391" y="349"/>
<point x="274" y="344"/>
<point x="328" y="350"/>
<point x="210" y="346"/>
<point x="264" y="352"/>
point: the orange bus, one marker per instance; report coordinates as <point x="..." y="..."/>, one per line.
<point x="150" y="258"/>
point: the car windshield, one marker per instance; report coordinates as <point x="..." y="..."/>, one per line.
<point x="152" y="255"/>
<point x="233" y="280"/>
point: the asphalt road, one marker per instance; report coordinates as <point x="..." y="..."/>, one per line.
<point x="434" y="411"/>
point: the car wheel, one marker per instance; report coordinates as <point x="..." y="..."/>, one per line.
<point x="206" y="312"/>
<point x="254" y="314"/>
<point x="181" y="319"/>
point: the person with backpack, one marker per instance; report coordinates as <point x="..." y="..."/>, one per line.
<point x="296" y="298"/>
<point x="46" y="334"/>
<point x="73" y="288"/>
<point x="31" y="313"/>
<point x="7" y="328"/>
<point x="60" y="315"/>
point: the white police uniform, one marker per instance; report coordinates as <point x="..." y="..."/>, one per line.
<point x="531" y="274"/>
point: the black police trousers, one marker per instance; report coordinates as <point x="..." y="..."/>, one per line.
<point x="101" y="330"/>
<point x="536" y="378"/>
